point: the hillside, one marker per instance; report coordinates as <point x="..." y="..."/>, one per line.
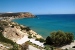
<point x="18" y="14"/>
<point x="12" y="32"/>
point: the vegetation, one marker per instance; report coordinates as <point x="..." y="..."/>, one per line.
<point x="5" y="40"/>
<point x="25" y="46"/>
<point x="15" y="47"/>
<point x="66" y="49"/>
<point x="1" y="29"/>
<point x="19" y="14"/>
<point x="34" y="36"/>
<point x="3" y="23"/>
<point x="29" y="36"/>
<point x="12" y="26"/>
<point x="73" y="47"/>
<point x="25" y="28"/>
<point x="47" y="47"/>
<point x="40" y="39"/>
<point x="34" y="45"/>
<point x="59" y="38"/>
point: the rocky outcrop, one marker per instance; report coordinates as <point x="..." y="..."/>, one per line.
<point x="34" y="34"/>
<point x="14" y="31"/>
<point x="19" y="14"/>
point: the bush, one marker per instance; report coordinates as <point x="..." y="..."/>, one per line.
<point x="59" y="38"/>
<point x="47" y="47"/>
<point x="73" y="47"/>
<point x="25" y="28"/>
<point x="29" y="36"/>
<point x="66" y="49"/>
<point x="49" y="41"/>
<point x="1" y="28"/>
<point x="3" y="23"/>
<point x="40" y="39"/>
<point x="34" y="36"/>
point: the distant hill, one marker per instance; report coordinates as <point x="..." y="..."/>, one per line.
<point x="18" y="14"/>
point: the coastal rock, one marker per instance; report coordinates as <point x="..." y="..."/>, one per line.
<point x="33" y="33"/>
<point x="12" y="33"/>
<point x="16" y="33"/>
<point x="19" y="33"/>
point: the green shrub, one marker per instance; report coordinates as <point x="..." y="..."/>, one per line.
<point x="25" y="28"/>
<point x="66" y="49"/>
<point x="40" y="39"/>
<point x="59" y="38"/>
<point x="29" y="36"/>
<point x="34" y="36"/>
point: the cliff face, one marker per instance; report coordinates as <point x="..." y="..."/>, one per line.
<point x="14" y="31"/>
<point x="20" y="14"/>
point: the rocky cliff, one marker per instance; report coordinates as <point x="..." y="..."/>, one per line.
<point x="14" y="31"/>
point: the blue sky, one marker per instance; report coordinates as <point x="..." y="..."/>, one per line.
<point x="38" y="6"/>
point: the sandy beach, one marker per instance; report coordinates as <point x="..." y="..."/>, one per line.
<point x="25" y="38"/>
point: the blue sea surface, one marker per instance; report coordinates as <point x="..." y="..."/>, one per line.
<point x="45" y="24"/>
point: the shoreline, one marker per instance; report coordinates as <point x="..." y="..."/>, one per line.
<point x="25" y="37"/>
<point x="28" y="26"/>
<point x="21" y="41"/>
<point x="32" y="40"/>
<point x="68" y="46"/>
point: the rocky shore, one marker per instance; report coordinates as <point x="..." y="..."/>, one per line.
<point x="15" y="31"/>
<point x="19" y="33"/>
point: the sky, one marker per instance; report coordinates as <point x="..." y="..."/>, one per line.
<point x="38" y="6"/>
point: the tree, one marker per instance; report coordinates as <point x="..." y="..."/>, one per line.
<point x="69" y="37"/>
<point x="59" y="38"/>
<point x="49" y="40"/>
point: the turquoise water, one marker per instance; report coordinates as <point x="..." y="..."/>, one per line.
<point x="44" y="24"/>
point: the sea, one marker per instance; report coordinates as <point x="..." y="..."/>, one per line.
<point x="47" y="23"/>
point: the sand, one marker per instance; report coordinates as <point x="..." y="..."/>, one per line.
<point x="25" y="38"/>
